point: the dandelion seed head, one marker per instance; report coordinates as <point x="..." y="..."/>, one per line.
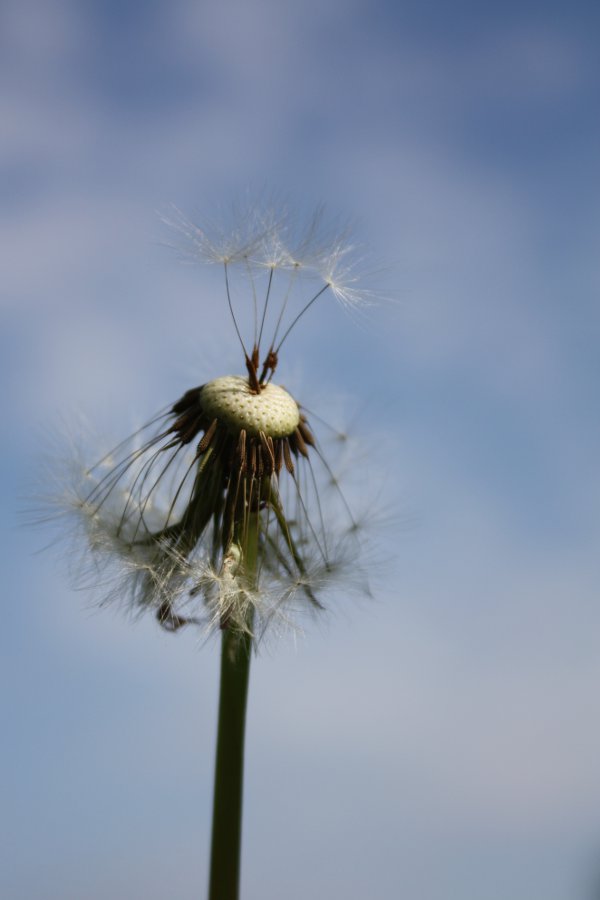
<point x="224" y="511"/>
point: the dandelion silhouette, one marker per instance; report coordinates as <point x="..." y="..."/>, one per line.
<point x="213" y="511"/>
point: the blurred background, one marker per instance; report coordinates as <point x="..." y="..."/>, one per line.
<point x="442" y="740"/>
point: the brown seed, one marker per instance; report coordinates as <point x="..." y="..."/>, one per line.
<point x="306" y="432"/>
<point x="289" y="464"/>
<point x="208" y="436"/>
<point x="269" y="454"/>
<point x="301" y="446"/>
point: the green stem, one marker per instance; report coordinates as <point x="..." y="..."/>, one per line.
<point x="229" y="768"/>
<point x="236" y="650"/>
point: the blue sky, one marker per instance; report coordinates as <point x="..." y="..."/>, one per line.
<point x="442" y="740"/>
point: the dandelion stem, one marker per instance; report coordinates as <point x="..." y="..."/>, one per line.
<point x="229" y="769"/>
<point x="236" y="652"/>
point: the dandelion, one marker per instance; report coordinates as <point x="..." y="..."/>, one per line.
<point x="214" y="513"/>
